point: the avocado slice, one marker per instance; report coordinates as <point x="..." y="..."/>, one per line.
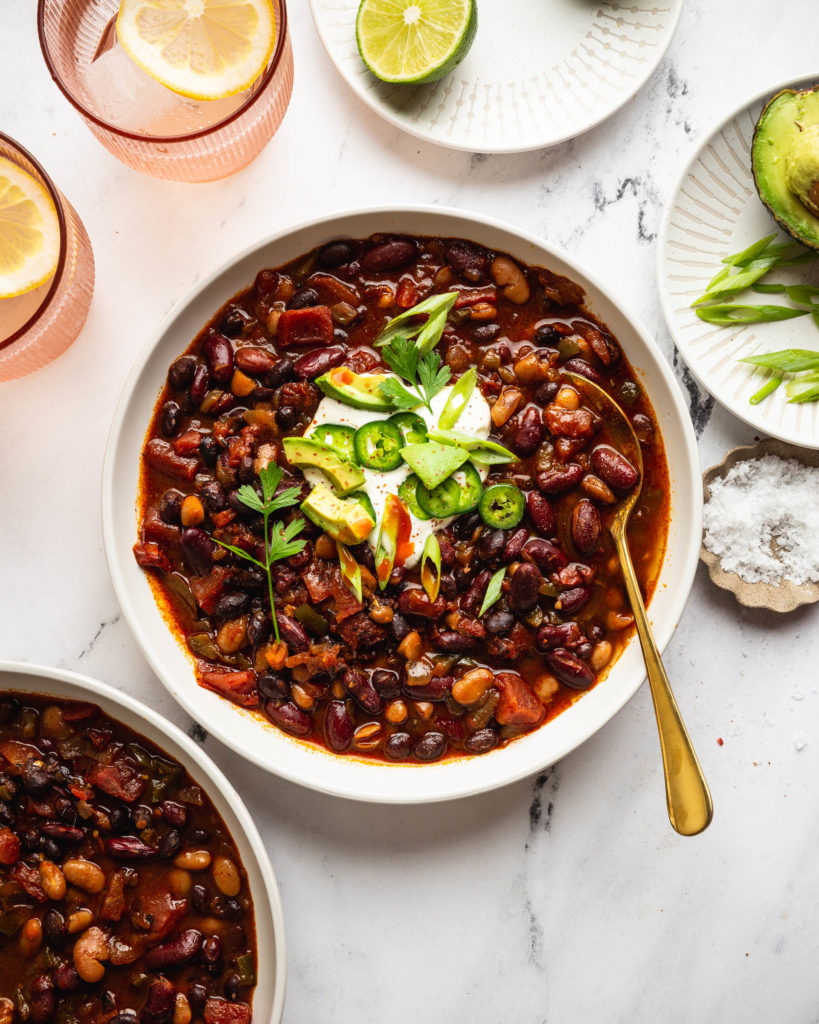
<point x="307" y="451"/>
<point x="345" y="519"/>
<point x="357" y="389"/>
<point x="785" y="159"/>
<point x="433" y="462"/>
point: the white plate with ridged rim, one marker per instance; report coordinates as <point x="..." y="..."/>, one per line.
<point x="537" y="74"/>
<point x="244" y="731"/>
<point x="713" y="211"/>
<point x="268" y="996"/>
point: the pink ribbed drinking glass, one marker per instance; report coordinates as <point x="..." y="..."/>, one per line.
<point x="39" y="325"/>
<point x="145" y="124"/>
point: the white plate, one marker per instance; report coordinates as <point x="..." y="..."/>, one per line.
<point x="715" y="211"/>
<point x="538" y="72"/>
<point x="268" y="996"/>
<point x="244" y="731"/>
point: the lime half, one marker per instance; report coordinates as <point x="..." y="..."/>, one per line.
<point x="415" y="40"/>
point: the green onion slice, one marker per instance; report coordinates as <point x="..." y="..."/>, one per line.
<point x="458" y="399"/>
<point x="493" y="591"/>
<point x="431" y="567"/>
<point x="350" y="569"/>
<point x="735" y="313"/>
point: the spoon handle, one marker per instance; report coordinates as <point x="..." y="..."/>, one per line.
<point x="689" y="800"/>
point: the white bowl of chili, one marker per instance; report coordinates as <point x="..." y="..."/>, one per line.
<point x="78" y="690"/>
<point x="309" y="764"/>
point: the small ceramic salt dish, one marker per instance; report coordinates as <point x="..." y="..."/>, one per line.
<point x="784" y="595"/>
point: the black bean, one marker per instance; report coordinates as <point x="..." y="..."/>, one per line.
<point x="169" y="419"/>
<point x="208" y="450"/>
<point x="386" y="682"/>
<point x="197" y="997"/>
<point x="121" y="820"/>
<point x="430" y="746"/>
<point x="212" y="953"/>
<point x="233" y="985"/>
<point x="286" y="416"/>
<point x="36" y="780"/>
<point x="481" y="741"/>
<point x="491" y="543"/>
<point x="199" y="898"/>
<point x="170" y="506"/>
<point x="303" y="298"/>
<point x="246" y="471"/>
<point x="272" y="686"/>
<point x="485" y="332"/>
<point x="398" y="746"/>
<point x="547" y="334"/>
<point x="336" y="254"/>
<point x="465" y="526"/>
<point x="498" y="621"/>
<point x="181" y="372"/>
<point x="169" y="844"/>
<point x="233" y="323"/>
<point x="400" y="626"/>
<point x="51" y="849"/>
<point x="231" y="605"/>
<point x="546" y="393"/>
<point x="213" y="495"/>
<point x="281" y="372"/>
<point x="54" y="929"/>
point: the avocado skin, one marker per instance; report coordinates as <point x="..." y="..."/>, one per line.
<point x="774" y="137"/>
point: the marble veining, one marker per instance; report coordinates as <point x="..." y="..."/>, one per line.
<point x="565" y="897"/>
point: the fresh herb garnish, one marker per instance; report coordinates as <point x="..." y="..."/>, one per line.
<point x="280" y="541"/>
<point x="424" y="373"/>
<point x="493" y="591"/>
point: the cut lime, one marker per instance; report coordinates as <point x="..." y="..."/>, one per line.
<point x="415" y="40"/>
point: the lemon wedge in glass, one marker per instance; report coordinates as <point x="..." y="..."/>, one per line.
<point x="203" y="49"/>
<point x="29" y="232"/>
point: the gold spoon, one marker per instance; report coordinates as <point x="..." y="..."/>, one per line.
<point x="687" y="795"/>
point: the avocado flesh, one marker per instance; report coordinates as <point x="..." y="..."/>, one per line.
<point x="306" y="451"/>
<point x="359" y="390"/>
<point x="345" y="519"/>
<point x="785" y="157"/>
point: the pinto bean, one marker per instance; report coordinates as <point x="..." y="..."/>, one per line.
<point x="546" y="556"/>
<point x="586" y="527"/>
<point x="90" y="952"/>
<point x="614" y="468"/>
<point x="506" y="405"/>
<point x="508" y="275"/>
<point x="313" y="364"/>
<point x="528" y="433"/>
<point x="541" y="514"/>
<point x="569" y="669"/>
<point x="597" y="490"/>
<point x="560" y="479"/>
<point x="391" y="255"/>
<point x="524" y="587"/>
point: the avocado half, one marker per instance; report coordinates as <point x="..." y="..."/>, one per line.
<point x="785" y="160"/>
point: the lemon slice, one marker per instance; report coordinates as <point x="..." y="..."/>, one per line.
<point x="203" y="49"/>
<point x="29" y="232"/>
<point x="413" y="41"/>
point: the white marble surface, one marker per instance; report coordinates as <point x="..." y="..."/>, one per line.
<point x="562" y="898"/>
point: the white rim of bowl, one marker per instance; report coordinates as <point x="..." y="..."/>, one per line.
<point x="691" y="472"/>
<point x="662" y="241"/>
<point x="215" y="777"/>
<point x="386" y="114"/>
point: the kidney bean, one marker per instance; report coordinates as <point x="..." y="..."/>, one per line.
<point x="447" y="551"/>
<point x="392" y="255"/>
<point x="546" y="556"/>
<point x="303" y="298"/>
<point x="54" y="929"/>
<point x="198" y="549"/>
<point x="614" y="468"/>
<point x="43" y="1002"/>
<point x="169" y="418"/>
<point x="467" y="260"/>
<point x="336" y="254"/>
<point x="569" y="669"/>
<point x="281" y="373"/>
<point x="471" y="600"/>
<point x="542" y="514"/>
<point x="253" y="360"/>
<point x="292" y="633"/>
<point x="514" y="546"/>
<point x="429" y="747"/>
<point x="128" y="848"/>
<point x="338" y="726"/>
<point x="528" y="432"/>
<point x="272" y="686"/>
<point x="398" y="746"/>
<point x="200" y="384"/>
<point x="416" y="602"/>
<point x="560" y="479"/>
<point x="490" y="545"/>
<point x="183" y="948"/>
<point x="361" y="687"/>
<point x="643" y="427"/>
<point x="584" y="369"/>
<point x="160" y="1003"/>
<point x="453" y="643"/>
<point x="386" y="682"/>
<point x="524" y="587"/>
<point x="289" y="717"/>
<point x="573" y="599"/>
<point x="436" y="689"/>
<point x="173" y="813"/>
<point x="313" y="364"/>
<point x="481" y="741"/>
<point x="61" y="833"/>
<point x="485" y="332"/>
<point x="66" y="978"/>
<point x="231" y="605"/>
<point x="549" y="636"/>
<point x="585" y="527"/>
<point x="218" y="354"/>
<point x="181" y="372"/>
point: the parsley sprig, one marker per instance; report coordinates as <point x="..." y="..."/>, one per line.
<point x="424" y="373"/>
<point x="279" y="542"/>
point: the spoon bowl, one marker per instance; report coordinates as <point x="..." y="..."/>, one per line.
<point x="688" y="798"/>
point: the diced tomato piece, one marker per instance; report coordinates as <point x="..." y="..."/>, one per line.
<point x="17" y="753"/>
<point x="240" y="687"/>
<point x="78" y="710"/>
<point x="187" y="443"/>
<point x="161" y="456"/>
<point x="158" y="909"/>
<point x="119" y="779"/>
<point x="220" y="1011"/>
<point x="29" y="879"/>
<point x="311" y="326"/>
<point x="150" y="555"/>
<point x="223" y="518"/>
<point x="113" y="906"/>
<point x="9" y="847"/>
<point x="517" y="704"/>
<point x="472" y="296"/>
<point x="208" y="589"/>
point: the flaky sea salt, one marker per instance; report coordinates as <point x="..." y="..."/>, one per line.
<point x="762" y="520"/>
